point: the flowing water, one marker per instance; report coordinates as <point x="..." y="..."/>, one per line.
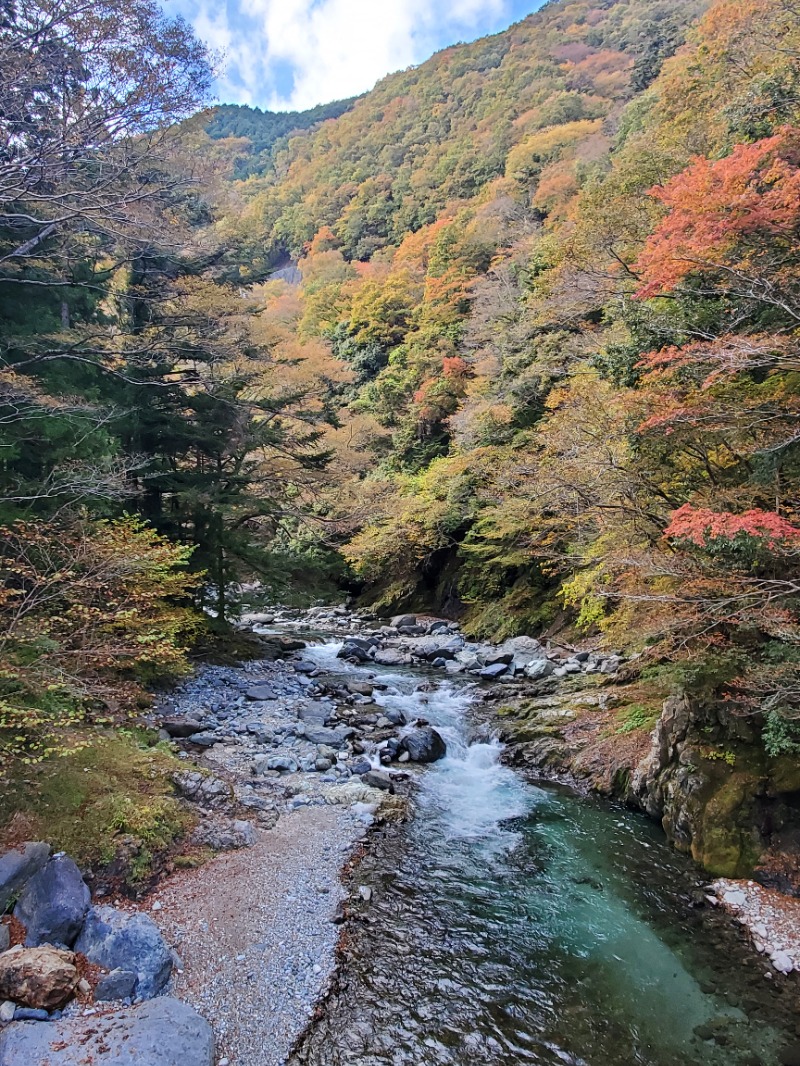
<point x="515" y="924"/>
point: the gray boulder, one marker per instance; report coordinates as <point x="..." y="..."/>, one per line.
<point x="117" y="939"/>
<point x="404" y="621"/>
<point x="119" y="984"/>
<point x="378" y="779"/>
<point x="225" y="834"/>
<point x="333" y="738"/>
<point x="539" y="668"/>
<point x="18" y="866"/>
<point x="207" y="789"/>
<point x="394" y="715"/>
<point x="259" y="693"/>
<point x="181" y="727"/>
<point x="498" y="658"/>
<point x="392" y="657"/>
<point x="494" y="670"/>
<point x="164" y="1032"/>
<point x="423" y="745"/>
<point x="53" y="904"/>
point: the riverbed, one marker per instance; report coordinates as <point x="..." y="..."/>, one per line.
<point x="510" y="923"/>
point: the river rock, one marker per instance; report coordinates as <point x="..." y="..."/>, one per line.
<point x="431" y="648"/>
<point x="119" y="984"/>
<point x="494" y="670"/>
<point x="18" y="866"/>
<point x="378" y="779"/>
<point x="392" y="657"/>
<point x="539" y="668"/>
<point x="205" y="739"/>
<point x="259" y="693"/>
<point x="333" y="738"/>
<point x="164" y="1032"/>
<point x="53" y="904"/>
<point x="206" y="789"/>
<point x="423" y="745"/>
<point x="498" y="658"/>
<point x="117" y="939"/>
<point x="404" y="621"/>
<point x="5" y="937"/>
<point x="360" y="688"/>
<point x="181" y="728"/>
<point x="361" y="766"/>
<point x="225" y="834"/>
<point x="41" y="977"/>
<point x="394" y="715"/>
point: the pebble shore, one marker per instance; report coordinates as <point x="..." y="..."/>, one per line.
<point x="255" y="935"/>
<point x="771" y="918"/>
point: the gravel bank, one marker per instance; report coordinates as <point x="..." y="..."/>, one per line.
<point x="254" y="933"/>
<point x="772" y="919"/>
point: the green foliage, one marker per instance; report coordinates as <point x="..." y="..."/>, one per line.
<point x="108" y="801"/>
<point x="780" y="735"/>
<point x="636" y="717"/>
<point x="264" y="129"/>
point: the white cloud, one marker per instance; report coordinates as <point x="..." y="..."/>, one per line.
<point x="333" y="48"/>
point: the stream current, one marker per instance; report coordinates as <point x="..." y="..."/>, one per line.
<point x="516" y="924"/>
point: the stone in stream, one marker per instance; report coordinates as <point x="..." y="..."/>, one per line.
<point x="423" y="745"/>
<point x="42" y="977"/>
<point x="392" y="657"/>
<point x="18" y="866"/>
<point x="394" y="715"/>
<point x="361" y="766"/>
<point x="162" y="1032"/>
<point x="117" y="939"/>
<point x="494" y="670"/>
<point x="404" y="621"/>
<point x="53" y="904"/>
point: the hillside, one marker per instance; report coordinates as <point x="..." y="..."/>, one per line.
<point x="539" y="373"/>
<point x="568" y="399"/>
<point x="264" y="129"/>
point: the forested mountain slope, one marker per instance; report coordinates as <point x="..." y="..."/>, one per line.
<point x="560" y="266"/>
<point x="540" y="371"/>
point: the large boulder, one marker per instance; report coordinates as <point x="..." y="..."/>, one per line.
<point x="404" y="621"/>
<point x="539" y="668"/>
<point x="43" y="978"/>
<point x="225" y="834"/>
<point x="361" y="649"/>
<point x="164" y="1032"/>
<point x="392" y="657"/>
<point x="206" y="789"/>
<point x="117" y="939"/>
<point x="423" y="745"/>
<point x="17" y="867"/>
<point x="53" y="904"/>
<point x="333" y="738"/>
<point x="180" y="727"/>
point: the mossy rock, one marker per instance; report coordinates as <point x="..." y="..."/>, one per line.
<point x="725" y="840"/>
<point x="784" y="774"/>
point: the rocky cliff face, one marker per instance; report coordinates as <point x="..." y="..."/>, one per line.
<point x="704" y="775"/>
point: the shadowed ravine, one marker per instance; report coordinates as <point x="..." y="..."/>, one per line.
<point x="510" y="923"/>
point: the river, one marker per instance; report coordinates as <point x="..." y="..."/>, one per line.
<point x="510" y="923"/>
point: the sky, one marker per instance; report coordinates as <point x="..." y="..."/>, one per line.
<point x="288" y="55"/>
